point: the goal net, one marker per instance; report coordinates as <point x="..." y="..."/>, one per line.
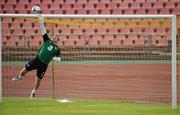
<point x="103" y="57"/>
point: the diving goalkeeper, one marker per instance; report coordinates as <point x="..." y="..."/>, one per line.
<point x="48" y="51"/>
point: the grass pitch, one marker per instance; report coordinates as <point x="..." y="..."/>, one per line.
<point x="23" y="106"/>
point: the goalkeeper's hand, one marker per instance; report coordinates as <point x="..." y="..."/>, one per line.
<point x="57" y="59"/>
<point x="41" y="18"/>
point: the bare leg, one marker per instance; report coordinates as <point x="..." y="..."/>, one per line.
<point x="36" y="86"/>
<point x="23" y="72"/>
<point x="37" y="83"/>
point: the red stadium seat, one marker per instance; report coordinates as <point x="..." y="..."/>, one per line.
<point x="80" y="11"/>
<point x="55" y="6"/>
<point x="158" y="5"/>
<point x="82" y="1"/>
<point x="66" y="6"/>
<point x="105" y="11"/>
<point x="79" y="6"/>
<point x="151" y="1"/>
<point x="170" y="5"/>
<point x="117" y="11"/>
<point x="34" y="2"/>
<point x="140" y="11"/>
<point x="146" y="5"/>
<point x="92" y="11"/>
<point x="57" y="11"/>
<point x="80" y="42"/>
<point x="176" y="11"/>
<point x="89" y="31"/>
<point x="77" y="31"/>
<point x="93" y="1"/>
<point x="140" y="1"/>
<point x="129" y="1"/>
<point x="47" y="1"/>
<point x="18" y="31"/>
<point x="124" y="5"/>
<point x="69" y="12"/>
<point x="89" y="6"/>
<point x="135" y="5"/>
<point x="113" y="5"/>
<point x="112" y="31"/>
<point x="101" y="5"/>
<point x="70" y="1"/>
<point x="128" y="11"/>
<point x="11" y="1"/>
<point x="151" y="11"/>
<point x="164" y="11"/>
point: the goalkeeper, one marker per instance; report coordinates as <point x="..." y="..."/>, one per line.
<point x="48" y="51"/>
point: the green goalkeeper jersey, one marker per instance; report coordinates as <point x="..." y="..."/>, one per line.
<point x="48" y="50"/>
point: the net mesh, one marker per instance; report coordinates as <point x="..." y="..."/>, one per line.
<point x="124" y="59"/>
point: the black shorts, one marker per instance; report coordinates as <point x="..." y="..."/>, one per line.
<point x="37" y="64"/>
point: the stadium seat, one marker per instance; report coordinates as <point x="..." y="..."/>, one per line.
<point x="140" y="1"/>
<point x="65" y="31"/>
<point x="89" y="6"/>
<point x="80" y="11"/>
<point x="80" y="42"/>
<point x="34" y="2"/>
<point x="46" y="11"/>
<point x="71" y="1"/>
<point x="151" y="1"/>
<point x="140" y="11"/>
<point x="140" y="41"/>
<point x="146" y="5"/>
<point x="92" y="11"/>
<point x="57" y="11"/>
<point x="105" y="11"/>
<point x="11" y="2"/>
<point x="158" y="5"/>
<point x="89" y="31"/>
<point x="82" y="1"/>
<point x="176" y="11"/>
<point x="13" y="41"/>
<point x="27" y="24"/>
<point x="151" y="11"/>
<point x="100" y="31"/>
<point x="124" y="5"/>
<point x="68" y="12"/>
<point x="47" y="1"/>
<point x="135" y="5"/>
<point x="129" y="11"/>
<point x="93" y="1"/>
<point x="66" y="6"/>
<point x="101" y="5"/>
<point x="170" y="5"/>
<point x="6" y="31"/>
<point x="55" y="6"/>
<point x="77" y="31"/>
<point x="164" y="11"/>
<point x="18" y="31"/>
<point x="117" y="11"/>
<point x="117" y="41"/>
<point x="113" y="5"/>
<point x="78" y="6"/>
<point x="112" y="31"/>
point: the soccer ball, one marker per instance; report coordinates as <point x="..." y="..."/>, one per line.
<point x="36" y="9"/>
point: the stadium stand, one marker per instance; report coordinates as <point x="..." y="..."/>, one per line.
<point x="87" y="7"/>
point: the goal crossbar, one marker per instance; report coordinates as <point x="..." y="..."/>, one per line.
<point x="173" y="26"/>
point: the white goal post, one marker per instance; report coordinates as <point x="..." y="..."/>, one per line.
<point x="173" y="20"/>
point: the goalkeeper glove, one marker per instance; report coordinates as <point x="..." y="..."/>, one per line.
<point x="57" y="59"/>
<point x="41" y="18"/>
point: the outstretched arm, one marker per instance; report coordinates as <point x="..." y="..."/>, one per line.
<point x="57" y="57"/>
<point x="42" y="27"/>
